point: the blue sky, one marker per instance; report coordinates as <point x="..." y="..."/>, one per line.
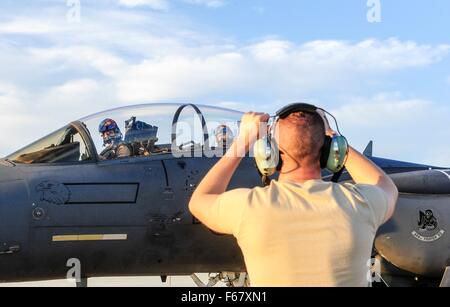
<point x="308" y="20"/>
<point x="387" y="81"/>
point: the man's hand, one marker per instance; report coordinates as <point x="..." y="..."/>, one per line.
<point x="328" y="131"/>
<point x="253" y="126"/>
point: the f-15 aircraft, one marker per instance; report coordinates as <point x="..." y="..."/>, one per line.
<point x="60" y="199"/>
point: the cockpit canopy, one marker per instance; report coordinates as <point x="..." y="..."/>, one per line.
<point x="146" y="130"/>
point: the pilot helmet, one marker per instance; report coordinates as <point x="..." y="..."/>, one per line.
<point x="110" y="132"/>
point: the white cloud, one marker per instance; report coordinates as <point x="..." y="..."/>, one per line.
<point x="154" y="4"/>
<point x="121" y="58"/>
<point x="29" y="115"/>
<point x="275" y="67"/>
<point x="9" y="95"/>
<point x="27" y="26"/>
<point x="401" y="127"/>
<point x="165" y="4"/>
<point x="72" y="92"/>
<point x="16" y="118"/>
<point x="80" y="58"/>
<point x="383" y="109"/>
<point x="175" y="76"/>
<point x="208" y="3"/>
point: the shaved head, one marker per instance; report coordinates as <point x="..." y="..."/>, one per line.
<point x="301" y="136"/>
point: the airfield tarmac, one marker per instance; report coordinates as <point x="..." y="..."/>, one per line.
<point x="172" y="281"/>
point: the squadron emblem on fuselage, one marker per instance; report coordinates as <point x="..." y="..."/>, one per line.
<point x="428" y="230"/>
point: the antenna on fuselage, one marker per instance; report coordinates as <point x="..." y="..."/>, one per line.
<point x="368" y="152"/>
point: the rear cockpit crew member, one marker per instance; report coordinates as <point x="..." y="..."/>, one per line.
<point x="224" y="136"/>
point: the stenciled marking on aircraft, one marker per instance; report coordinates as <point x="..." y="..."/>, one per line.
<point x="428" y="239"/>
<point x="92" y="237"/>
<point x="53" y="192"/>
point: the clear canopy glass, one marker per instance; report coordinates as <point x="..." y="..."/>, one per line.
<point x="189" y="131"/>
<point x="62" y="146"/>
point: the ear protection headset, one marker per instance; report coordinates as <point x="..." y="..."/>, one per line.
<point x="333" y="154"/>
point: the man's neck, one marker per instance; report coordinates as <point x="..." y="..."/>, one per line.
<point x="300" y="174"/>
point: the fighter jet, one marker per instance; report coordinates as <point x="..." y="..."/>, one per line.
<point x="125" y="213"/>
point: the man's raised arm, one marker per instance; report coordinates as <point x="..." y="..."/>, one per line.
<point x="364" y="171"/>
<point x="218" y="178"/>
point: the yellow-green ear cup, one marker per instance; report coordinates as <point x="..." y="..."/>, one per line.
<point x="338" y="154"/>
<point x="266" y="156"/>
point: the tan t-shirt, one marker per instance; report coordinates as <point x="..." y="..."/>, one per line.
<point x="313" y="234"/>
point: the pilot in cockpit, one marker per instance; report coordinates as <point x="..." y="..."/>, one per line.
<point x="224" y="136"/>
<point x="112" y="141"/>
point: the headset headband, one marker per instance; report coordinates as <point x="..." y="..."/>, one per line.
<point x="333" y="154"/>
<point x="296" y="107"/>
